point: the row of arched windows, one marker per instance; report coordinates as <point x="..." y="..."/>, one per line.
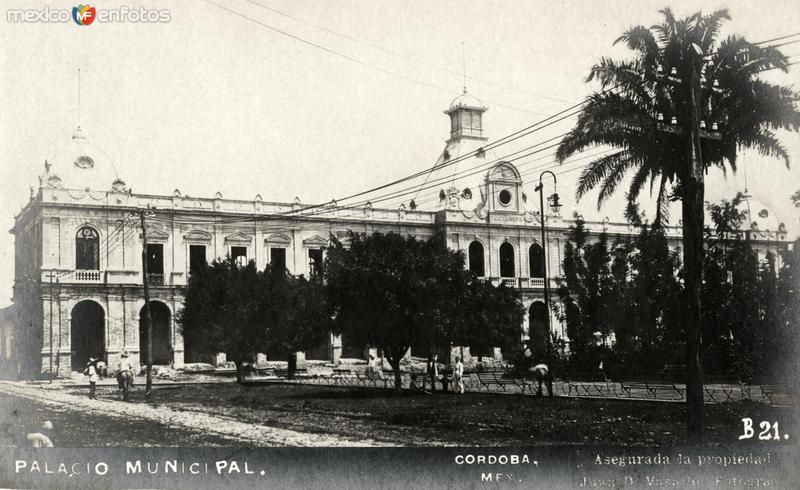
<point x="507" y="268"/>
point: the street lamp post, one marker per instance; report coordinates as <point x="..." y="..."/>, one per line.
<point x="554" y="204"/>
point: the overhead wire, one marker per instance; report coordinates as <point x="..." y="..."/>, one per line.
<point x="358" y="61"/>
<point x="401" y="55"/>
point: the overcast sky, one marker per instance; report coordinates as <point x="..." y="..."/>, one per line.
<point x="212" y="101"/>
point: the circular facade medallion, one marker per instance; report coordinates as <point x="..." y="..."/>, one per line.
<point x="84" y="162"/>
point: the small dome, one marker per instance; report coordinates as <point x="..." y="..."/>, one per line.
<point x="78" y="164"/>
<point x="466" y="100"/>
<point x="760" y="217"/>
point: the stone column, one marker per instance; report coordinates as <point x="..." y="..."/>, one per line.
<point x="61" y="330"/>
<point x="336" y="349"/>
<point x="48" y="323"/>
<point x="178" y="350"/>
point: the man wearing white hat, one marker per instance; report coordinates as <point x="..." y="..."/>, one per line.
<point x="124" y="373"/>
<point x="91" y="371"/>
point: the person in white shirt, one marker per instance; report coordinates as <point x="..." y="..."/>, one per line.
<point x="91" y="371"/>
<point x="458" y="374"/>
<point x="542" y="373"/>
<point x="125" y="374"/>
<point x="379" y="368"/>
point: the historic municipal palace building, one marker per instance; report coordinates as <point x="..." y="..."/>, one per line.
<point x="78" y="289"/>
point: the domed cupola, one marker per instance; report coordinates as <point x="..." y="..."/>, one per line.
<point x="78" y="164"/>
<point x="466" y="117"/>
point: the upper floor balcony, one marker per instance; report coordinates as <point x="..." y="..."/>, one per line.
<point x="111" y="277"/>
<point x="521" y="282"/>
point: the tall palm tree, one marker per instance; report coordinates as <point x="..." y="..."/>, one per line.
<point x="685" y="103"/>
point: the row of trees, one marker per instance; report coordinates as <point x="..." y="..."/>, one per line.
<point x="683" y="73"/>
<point x="632" y="288"/>
<point x="239" y="310"/>
<point x="380" y="290"/>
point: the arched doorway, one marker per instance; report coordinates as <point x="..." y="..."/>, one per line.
<point x="536" y="260"/>
<point x="507" y="260"/>
<point x="476" y="259"/>
<point x="87" y="333"/>
<point x="162" y="325"/>
<point x="537" y="325"/>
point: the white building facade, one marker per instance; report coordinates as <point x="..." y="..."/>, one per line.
<point x="78" y="290"/>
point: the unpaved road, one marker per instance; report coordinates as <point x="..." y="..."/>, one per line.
<point x="203" y="425"/>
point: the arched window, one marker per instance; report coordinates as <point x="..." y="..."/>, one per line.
<point x="87" y="249"/>
<point x="536" y="259"/>
<point x="507" y="260"/>
<point x="476" y="259"/>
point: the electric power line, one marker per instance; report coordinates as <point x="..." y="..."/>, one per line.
<point x="401" y="55"/>
<point x="360" y="62"/>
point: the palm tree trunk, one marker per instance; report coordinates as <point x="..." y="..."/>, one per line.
<point x="693" y="224"/>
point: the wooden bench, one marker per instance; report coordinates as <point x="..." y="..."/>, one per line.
<point x="488" y="378"/>
<point x="265" y="371"/>
<point x="284" y="372"/>
<point x="587" y="382"/>
<point x="652" y="386"/>
<point x="728" y="386"/>
<point x="372" y="377"/>
<point x="769" y="391"/>
<point x="343" y="376"/>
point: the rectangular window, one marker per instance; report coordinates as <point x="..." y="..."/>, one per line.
<point x="155" y="259"/>
<point x="197" y="257"/>
<point x="278" y="258"/>
<point x="88" y="256"/>
<point x="239" y="255"/>
<point x="315" y="261"/>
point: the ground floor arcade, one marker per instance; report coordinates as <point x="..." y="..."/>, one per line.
<point x="81" y="323"/>
<point x="78" y="324"/>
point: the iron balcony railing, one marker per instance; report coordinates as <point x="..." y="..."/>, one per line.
<point x="155" y="279"/>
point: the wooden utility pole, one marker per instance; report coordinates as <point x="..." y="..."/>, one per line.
<point x="692" y="203"/>
<point x="148" y="320"/>
<point x="693" y="249"/>
<point x="50" y="276"/>
<point x="58" y="307"/>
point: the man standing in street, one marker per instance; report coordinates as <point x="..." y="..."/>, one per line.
<point x="91" y="371"/>
<point x="458" y="374"/>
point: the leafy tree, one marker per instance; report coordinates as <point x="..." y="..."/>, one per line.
<point x="389" y="291"/>
<point x="750" y="320"/>
<point x="733" y="337"/>
<point x="584" y="293"/>
<point x="713" y="81"/>
<point x="222" y="311"/>
<point x="492" y="317"/>
<point x="396" y="292"/>
<point x="297" y="313"/>
<point x="650" y="298"/>
<point x="783" y="356"/>
<point x="241" y="311"/>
